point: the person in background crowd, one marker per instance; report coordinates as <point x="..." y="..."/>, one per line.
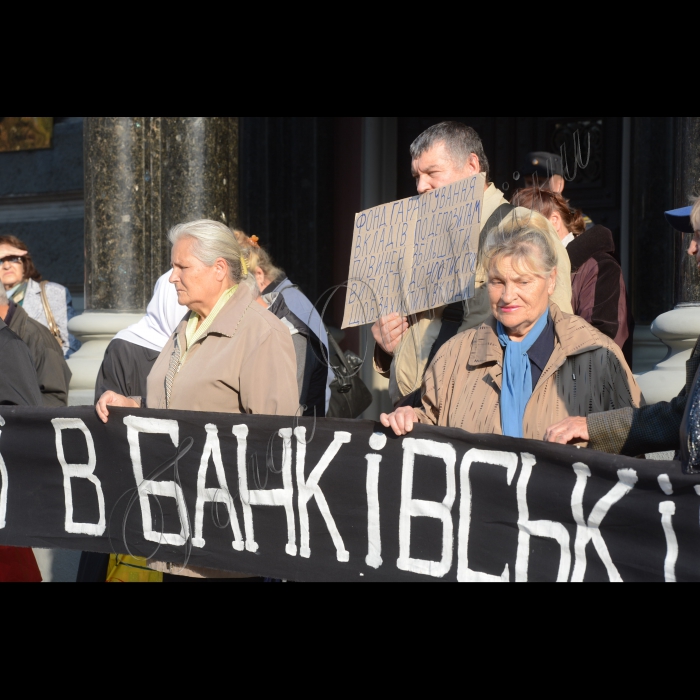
<point x="656" y="428"/>
<point x="546" y="171"/>
<point x="598" y="285"/>
<point x="229" y="355"/>
<point x="47" y="356"/>
<point x="530" y="363"/>
<point x="133" y="352"/>
<point x="442" y="155"/>
<point x="46" y="302"/>
<point x="290" y="305"/>
<point x="19" y="386"/>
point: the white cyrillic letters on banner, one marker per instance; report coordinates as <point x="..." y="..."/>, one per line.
<point x="283" y="498"/>
<point x="411" y="508"/>
<point x="79" y="471"/>
<point x="3" y="485"/>
<point x="374" y="532"/>
<point x="668" y="510"/>
<point x="508" y="461"/>
<point x="309" y="489"/>
<point x="590" y="531"/>
<point x="222" y="495"/>
<point x="163" y="489"/>
<point x="544" y="529"/>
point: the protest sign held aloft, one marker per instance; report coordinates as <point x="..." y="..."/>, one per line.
<point x="338" y="501"/>
<point x="415" y="254"/>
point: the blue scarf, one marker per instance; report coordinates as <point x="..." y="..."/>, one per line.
<point x="517" y="378"/>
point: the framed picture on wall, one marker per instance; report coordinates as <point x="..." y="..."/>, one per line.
<point x="25" y="133"/>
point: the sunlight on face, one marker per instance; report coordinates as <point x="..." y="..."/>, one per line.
<point x="694" y="250"/>
<point x="11" y="274"/>
<point x="518" y="297"/>
<point x="435" y="169"/>
<point x="196" y="284"/>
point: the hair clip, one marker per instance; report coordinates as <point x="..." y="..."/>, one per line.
<point x="255" y="241"/>
<point x="244" y="267"/>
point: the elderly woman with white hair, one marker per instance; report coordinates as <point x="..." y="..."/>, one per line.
<point x="531" y="365"/>
<point x="229" y="355"/>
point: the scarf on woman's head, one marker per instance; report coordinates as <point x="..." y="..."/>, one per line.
<point x="517" y="377"/>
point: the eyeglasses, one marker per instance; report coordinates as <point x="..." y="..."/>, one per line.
<point x="12" y="259"/>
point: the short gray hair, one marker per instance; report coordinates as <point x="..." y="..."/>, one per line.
<point x="4" y="301"/>
<point x="213" y="240"/>
<point x="695" y="215"/>
<point x="524" y="237"/>
<point x="460" y="140"/>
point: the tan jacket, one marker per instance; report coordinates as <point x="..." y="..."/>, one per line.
<point x="411" y="357"/>
<point x="244" y="364"/>
<point x="586" y="374"/>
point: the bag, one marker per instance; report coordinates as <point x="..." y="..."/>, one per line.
<point x="124" y="569"/>
<point x="350" y="397"/>
<point x="50" y="318"/>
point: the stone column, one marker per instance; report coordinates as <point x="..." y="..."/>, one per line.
<point x="143" y="175"/>
<point x="679" y="329"/>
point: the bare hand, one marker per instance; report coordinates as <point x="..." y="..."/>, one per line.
<point x="401" y="421"/>
<point x="389" y="331"/>
<point x="568" y="431"/>
<point x="113" y="399"/>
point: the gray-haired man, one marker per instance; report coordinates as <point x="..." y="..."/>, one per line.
<point x="444" y="154"/>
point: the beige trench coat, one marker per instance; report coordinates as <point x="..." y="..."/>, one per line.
<point x="411" y="357"/>
<point x="245" y="364"/>
<point x="586" y="374"/>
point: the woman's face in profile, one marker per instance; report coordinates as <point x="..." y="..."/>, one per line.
<point x="519" y="298"/>
<point x="11" y="271"/>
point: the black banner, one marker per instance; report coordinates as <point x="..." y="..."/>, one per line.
<point x="338" y="501"/>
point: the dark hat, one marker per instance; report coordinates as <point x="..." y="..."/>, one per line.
<point x="543" y="164"/>
<point x="680" y="219"/>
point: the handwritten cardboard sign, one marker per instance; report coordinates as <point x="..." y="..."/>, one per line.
<point x="415" y="254"/>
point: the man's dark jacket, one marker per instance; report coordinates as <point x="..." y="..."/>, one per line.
<point x="19" y="385"/>
<point x="598" y="287"/>
<point x="47" y="356"/>
<point x="635" y="432"/>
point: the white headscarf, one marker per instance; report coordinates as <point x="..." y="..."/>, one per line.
<point x="162" y="318"/>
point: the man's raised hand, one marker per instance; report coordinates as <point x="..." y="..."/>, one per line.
<point x="389" y="331"/>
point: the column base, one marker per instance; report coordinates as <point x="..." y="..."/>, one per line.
<point x="95" y="330"/>
<point x="679" y="330"/>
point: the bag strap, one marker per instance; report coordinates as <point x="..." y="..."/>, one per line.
<point x="50" y="318"/>
<point x="497" y="217"/>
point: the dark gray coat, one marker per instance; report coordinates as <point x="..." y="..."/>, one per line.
<point x="19" y="385"/>
<point x="47" y="356"/>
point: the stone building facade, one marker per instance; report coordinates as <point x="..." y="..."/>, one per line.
<point x="95" y="208"/>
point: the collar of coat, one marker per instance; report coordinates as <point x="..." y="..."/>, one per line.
<point x="593" y="242"/>
<point x="573" y="336"/>
<point x="228" y="319"/>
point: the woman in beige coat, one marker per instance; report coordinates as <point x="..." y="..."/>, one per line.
<point x="531" y="365"/>
<point x="229" y="355"/>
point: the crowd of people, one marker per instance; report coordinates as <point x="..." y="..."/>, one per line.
<point x="543" y="351"/>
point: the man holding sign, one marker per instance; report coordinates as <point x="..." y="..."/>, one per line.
<point x="443" y="155"/>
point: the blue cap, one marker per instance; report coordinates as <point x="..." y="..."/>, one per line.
<point x="680" y="219"/>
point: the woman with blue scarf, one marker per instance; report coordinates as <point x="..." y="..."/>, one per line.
<point x="532" y="365"/>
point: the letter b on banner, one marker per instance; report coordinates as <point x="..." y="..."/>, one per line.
<point x="79" y="471"/>
<point x="411" y="508"/>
